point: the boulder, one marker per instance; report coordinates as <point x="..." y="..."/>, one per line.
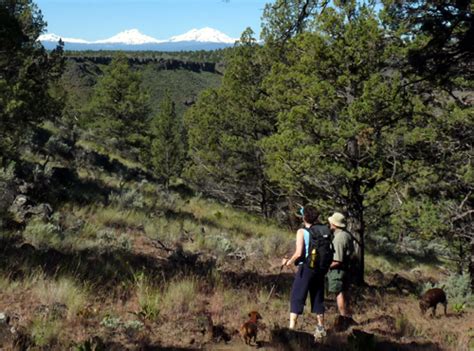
<point x="23" y="208"/>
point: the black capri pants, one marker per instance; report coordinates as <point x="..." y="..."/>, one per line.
<point x="307" y="280"/>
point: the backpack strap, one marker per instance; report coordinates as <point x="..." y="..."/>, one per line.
<point x="306" y="241"/>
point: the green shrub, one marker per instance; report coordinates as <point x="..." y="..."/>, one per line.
<point x="132" y="326"/>
<point x="111" y="322"/>
<point x="107" y="240"/>
<point x="216" y="243"/>
<point x="278" y="244"/>
<point x="128" y="199"/>
<point x="42" y="235"/>
<point x="458" y="289"/>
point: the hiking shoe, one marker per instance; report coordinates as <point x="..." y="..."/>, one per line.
<point x="319" y="333"/>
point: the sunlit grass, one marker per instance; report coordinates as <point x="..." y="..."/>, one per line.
<point x="149" y="297"/>
<point x="45" y="331"/>
<point x="225" y="217"/>
<point x="180" y="296"/>
<point x="63" y="290"/>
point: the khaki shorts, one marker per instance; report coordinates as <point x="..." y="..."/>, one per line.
<point x="337" y="281"/>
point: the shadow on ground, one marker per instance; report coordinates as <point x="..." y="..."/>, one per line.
<point x="111" y="269"/>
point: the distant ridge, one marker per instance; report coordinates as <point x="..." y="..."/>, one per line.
<point x="195" y="39"/>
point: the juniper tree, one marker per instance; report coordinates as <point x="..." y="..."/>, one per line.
<point x="225" y="127"/>
<point x="442" y="33"/>
<point x="348" y="122"/>
<point x="27" y="73"/>
<point x="441" y="52"/>
<point x="119" y="107"/>
<point x="167" y="141"/>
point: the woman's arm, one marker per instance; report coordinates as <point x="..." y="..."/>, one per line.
<point x="298" y="251"/>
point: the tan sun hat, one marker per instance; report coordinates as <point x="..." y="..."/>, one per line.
<point x="338" y="220"/>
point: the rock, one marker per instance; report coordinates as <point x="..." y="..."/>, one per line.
<point x="4" y="318"/>
<point x="23" y="208"/>
<point x="402" y="284"/>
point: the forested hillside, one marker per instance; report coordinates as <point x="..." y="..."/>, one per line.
<point x="147" y="199"/>
<point x="183" y="78"/>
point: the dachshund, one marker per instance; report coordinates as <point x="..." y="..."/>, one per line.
<point x="248" y="330"/>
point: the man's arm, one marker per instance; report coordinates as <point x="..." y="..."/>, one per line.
<point x="338" y="258"/>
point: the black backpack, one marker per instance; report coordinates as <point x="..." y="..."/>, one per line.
<point x="320" y="250"/>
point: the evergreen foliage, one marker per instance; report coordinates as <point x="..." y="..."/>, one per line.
<point x="225" y="128"/>
<point x="348" y="123"/>
<point x="27" y="73"/>
<point x="119" y="108"/>
<point x="168" y="142"/>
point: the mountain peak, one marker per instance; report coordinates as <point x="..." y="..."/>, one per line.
<point x="129" y="37"/>
<point x="133" y="39"/>
<point x="205" y="34"/>
<point x="55" y="38"/>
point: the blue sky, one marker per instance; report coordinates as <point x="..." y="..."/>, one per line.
<point x="100" y="19"/>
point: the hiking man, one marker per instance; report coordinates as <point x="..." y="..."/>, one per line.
<point x="338" y="277"/>
<point x="310" y="274"/>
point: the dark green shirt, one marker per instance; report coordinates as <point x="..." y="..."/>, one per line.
<point x="343" y="246"/>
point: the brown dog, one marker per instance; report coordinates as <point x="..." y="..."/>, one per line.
<point x="431" y="298"/>
<point x="248" y="330"/>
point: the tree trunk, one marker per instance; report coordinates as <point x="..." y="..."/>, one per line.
<point x="471" y="265"/>
<point x="264" y="200"/>
<point x="356" y="225"/>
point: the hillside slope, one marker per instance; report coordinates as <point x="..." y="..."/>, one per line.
<point x="125" y="265"/>
<point x="183" y="79"/>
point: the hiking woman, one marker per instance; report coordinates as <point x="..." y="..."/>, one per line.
<point x="306" y="279"/>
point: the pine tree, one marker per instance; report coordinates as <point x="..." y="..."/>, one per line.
<point x="27" y="73"/>
<point x="225" y="127"/>
<point x="119" y="108"/>
<point x="168" y="142"/>
<point x="348" y="124"/>
<point x="440" y="50"/>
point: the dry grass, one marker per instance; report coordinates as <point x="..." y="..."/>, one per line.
<point x="180" y="297"/>
<point x="45" y="331"/>
<point x="63" y="290"/>
<point x="175" y="311"/>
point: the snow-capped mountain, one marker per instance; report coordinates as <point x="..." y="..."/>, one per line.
<point x="55" y="38"/>
<point x="204" y="35"/>
<point x="196" y="39"/>
<point x="130" y="37"/>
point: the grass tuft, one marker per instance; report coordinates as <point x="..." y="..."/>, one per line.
<point x="64" y="290"/>
<point x="180" y="296"/>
